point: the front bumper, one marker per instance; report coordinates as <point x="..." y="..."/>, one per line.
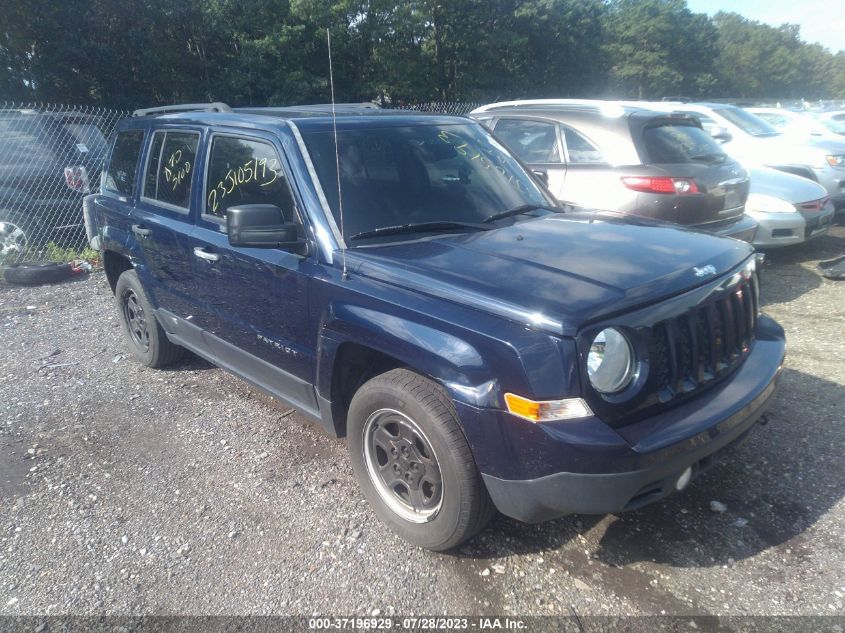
<point x="783" y="229"/>
<point x="537" y="472"/>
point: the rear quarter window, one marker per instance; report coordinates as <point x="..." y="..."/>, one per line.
<point x="579" y="150"/>
<point x="121" y="173"/>
<point x="678" y="143"/>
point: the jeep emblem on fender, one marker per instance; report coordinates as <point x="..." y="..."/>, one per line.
<point x="703" y="271"/>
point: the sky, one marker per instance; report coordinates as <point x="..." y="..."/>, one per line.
<point x="821" y="21"/>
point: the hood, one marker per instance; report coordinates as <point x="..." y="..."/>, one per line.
<point x="559" y="272"/>
<point x="786" y="150"/>
<point x="789" y="187"/>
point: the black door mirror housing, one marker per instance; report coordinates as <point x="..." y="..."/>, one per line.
<point x="542" y="175"/>
<point x="261" y="226"/>
<point x="721" y="134"/>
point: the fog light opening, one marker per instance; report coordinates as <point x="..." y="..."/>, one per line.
<point x="684" y="479"/>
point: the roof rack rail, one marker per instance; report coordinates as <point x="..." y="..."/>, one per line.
<point x="216" y="106"/>
<point x="312" y="107"/>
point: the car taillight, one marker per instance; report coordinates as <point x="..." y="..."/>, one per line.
<point x="660" y="184"/>
<point x="77" y="179"/>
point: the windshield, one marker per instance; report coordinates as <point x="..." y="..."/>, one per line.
<point x="669" y="143"/>
<point x="87" y="137"/>
<point x="747" y="122"/>
<point x="391" y="176"/>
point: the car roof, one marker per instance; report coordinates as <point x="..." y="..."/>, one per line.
<point x="547" y="106"/>
<point x="318" y="116"/>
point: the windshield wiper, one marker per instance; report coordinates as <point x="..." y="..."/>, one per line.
<point x="713" y="157"/>
<point x="523" y="208"/>
<point x="421" y="227"/>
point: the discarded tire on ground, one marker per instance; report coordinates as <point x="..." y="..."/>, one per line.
<point x="30" y="274"/>
<point x="833" y="269"/>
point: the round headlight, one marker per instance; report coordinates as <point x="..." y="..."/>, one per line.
<point x="610" y="363"/>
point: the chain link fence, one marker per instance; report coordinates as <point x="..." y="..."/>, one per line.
<point x="459" y="108"/>
<point x="50" y="157"/>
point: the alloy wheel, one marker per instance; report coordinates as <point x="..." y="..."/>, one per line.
<point x="402" y="466"/>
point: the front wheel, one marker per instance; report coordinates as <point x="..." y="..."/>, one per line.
<point x="413" y="462"/>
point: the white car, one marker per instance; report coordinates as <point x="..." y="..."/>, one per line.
<point x="788" y="209"/>
<point x="800" y="123"/>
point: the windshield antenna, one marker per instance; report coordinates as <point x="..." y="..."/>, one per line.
<point x="337" y="159"/>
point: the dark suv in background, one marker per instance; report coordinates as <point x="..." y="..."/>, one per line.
<point x="48" y="162"/>
<point x="403" y="281"/>
<point x="627" y="159"/>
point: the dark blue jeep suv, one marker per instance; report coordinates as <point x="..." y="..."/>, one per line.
<point x="403" y="280"/>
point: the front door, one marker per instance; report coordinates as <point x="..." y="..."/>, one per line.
<point x="538" y="144"/>
<point x="254" y="300"/>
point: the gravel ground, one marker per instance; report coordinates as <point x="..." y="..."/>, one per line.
<point x="129" y="491"/>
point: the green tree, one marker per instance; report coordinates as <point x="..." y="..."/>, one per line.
<point x="659" y="48"/>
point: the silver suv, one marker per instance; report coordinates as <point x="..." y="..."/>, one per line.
<point x="628" y="159"/>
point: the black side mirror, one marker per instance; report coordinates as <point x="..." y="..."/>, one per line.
<point x="542" y="175"/>
<point x="261" y="226"/>
<point x="721" y="134"/>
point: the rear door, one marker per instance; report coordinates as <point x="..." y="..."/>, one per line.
<point x="114" y="203"/>
<point x="683" y="150"/>
<point x="162" y="220"/>
<point x="538" y="144"/>
<point x="590" y="180"/>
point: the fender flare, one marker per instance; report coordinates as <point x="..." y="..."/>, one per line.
<point x="452" y="361"/>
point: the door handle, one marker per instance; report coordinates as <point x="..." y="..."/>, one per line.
<point x="204" y="254"/>
<point x="140" y="231"/>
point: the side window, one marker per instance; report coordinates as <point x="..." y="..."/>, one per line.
<point x="706" y="122"/>
<point x="170" y="165"/>
<point x="245" y="171"/>
<point x="579" y="149"/>
<point x="532" y="141"/>
<point x="120" y="175"/>
<point x="777" y="120"/>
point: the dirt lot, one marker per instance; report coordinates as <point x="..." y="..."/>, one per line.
<point x="126" y="490"/>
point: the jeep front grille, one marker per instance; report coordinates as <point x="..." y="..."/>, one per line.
<point x="706" y="342"/>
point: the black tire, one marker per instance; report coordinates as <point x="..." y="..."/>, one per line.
<point x="399" y="396"/>
<point x="146" y="337"/>
<point x="833" y="269"/>
<point x="30" y="274"/>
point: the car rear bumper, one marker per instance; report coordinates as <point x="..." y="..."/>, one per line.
<point x="599" y="470"/>
<point x="743" y="229"/>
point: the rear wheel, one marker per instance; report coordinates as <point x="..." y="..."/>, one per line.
<point x="146" y="337"/>
<point x="413" y="462"/>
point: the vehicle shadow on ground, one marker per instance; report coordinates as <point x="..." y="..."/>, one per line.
<point x="776" y="485"/>
<point x="790" y="272"/>
<point x="189" y="362"/>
